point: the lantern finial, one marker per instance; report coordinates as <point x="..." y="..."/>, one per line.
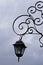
<point x="18" y="59"/>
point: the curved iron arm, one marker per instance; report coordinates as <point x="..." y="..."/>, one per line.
<point x="23" y="25"/>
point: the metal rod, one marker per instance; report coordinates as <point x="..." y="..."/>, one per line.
<point x="18" y="59"/>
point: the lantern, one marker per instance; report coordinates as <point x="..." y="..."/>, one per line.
<point x="19" y="48"/>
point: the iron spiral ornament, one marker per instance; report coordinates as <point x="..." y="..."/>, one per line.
<point x="22" y="22"/>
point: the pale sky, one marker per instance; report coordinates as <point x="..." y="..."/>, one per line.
<point x="9" y="10"/>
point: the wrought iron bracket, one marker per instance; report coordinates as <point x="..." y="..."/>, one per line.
<point x="21" y="25"/>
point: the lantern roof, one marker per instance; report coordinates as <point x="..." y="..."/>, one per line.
<point x="20" y="43"/>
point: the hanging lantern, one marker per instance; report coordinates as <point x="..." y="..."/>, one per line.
<point x="19" y="48"/>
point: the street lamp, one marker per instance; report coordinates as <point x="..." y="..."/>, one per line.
<point x="19" y="48"/>
<point x="23" y="22"/>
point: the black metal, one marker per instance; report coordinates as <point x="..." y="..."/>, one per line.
<point x="19" y="43"/>
<point x="19" y="46"/>
<point x="18" y="59"/>
<point x="36" y="21"/>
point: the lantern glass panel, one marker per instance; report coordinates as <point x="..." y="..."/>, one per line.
<point x="19" y="50"/>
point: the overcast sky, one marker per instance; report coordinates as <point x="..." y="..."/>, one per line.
<point x="9" y="10"/>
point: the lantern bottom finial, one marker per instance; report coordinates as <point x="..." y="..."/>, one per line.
<point x="18" y="59"/>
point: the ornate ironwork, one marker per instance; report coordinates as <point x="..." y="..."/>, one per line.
<point x="24" y="21"/>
